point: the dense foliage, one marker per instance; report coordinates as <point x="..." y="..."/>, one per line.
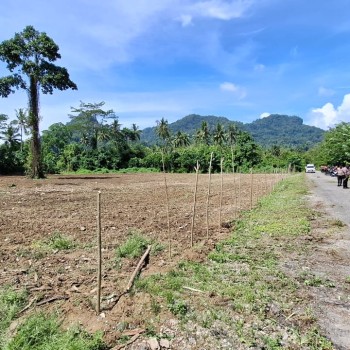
<point x="28" y="57"/>
<point x="335" y="149"/>
<point x="286" y="131"/>
<point x="95" y="141"/>
<point x="282" y="130"/>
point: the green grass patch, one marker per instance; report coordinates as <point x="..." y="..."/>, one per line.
<point x="39" y="331"/>
<point x="43" y="332"/>
<point x="57" y="241"/>
<point x="11" y="302"/>
<point x="135" y="246"/>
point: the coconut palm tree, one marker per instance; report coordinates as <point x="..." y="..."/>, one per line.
<point x="162" y="130"/>
<point x="136" y="132"/>
<point x="22" y="122"/>
<point x="3" y="119"/>
<point x="11" y="136"/>
<point x="181" y="139"/>
<point x="219" y="135"/>
<point x="203" y="134"/>
<point x="231" y="135"/>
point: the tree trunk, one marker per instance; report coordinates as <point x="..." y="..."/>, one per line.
<point x="36" y="161"/>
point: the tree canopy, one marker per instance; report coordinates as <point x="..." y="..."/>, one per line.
<point x="29" y="56"/>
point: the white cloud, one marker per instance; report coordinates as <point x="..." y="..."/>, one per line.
<point x="329" y="115"/>
<point x="239" y="91"/>
<point x="222" y="10"/>
<point x="264" y="115"/>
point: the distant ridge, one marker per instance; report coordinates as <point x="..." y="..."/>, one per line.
<point x="284" y="130"/>
<point x="276" y="129"/>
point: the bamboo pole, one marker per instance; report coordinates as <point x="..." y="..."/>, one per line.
<point x="251" y="188"/>
<point x="194" y="202"/>
<point x="232" y="160"/>
<point x="239" y="190"/>
<point x="221" y="189"/>
<point x="99" y="254"/>
<point x="208" y="194"/>
<point x="167" y="206"/>
<point x="234" y="195"/>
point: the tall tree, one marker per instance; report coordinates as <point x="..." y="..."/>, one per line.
<point x="337" y="144"/>
<point x="117" y="135"/>
<point x="231" y="136"/>
<point x="181" y="139"/>
<point x="11" y="136"/>
<point x="163" y="132"/>
<point x="219" y="135"/>
<point x="203" y="134"/>
<point x="22" y="121"/>
<point x="136" y="132"/>
<point x="89" y="122"/>
<point x="133" y="134"/>
<point x="3" y="119"/>
<point x="29" y="56"/>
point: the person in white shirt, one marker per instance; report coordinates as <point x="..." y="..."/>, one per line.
<point x="345" y="176"/>
<point x="340" y="175"/>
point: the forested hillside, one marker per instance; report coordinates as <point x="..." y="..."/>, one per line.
<point x="282" y="130"/>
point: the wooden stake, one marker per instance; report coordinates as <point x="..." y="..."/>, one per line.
<point x="99" y="254"/>
<point x="167" y="206"/>
<point x="208" y="194"/>
<point x="239" y="190"/>
<point x="234" y="195"/>
<point x="194" y="202"/>
<point x="232" y="160"/>
<point x="251" y="188"/>
<point x="221" y="190"/>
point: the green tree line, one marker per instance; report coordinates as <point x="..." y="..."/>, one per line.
<point x="94" y="140"/>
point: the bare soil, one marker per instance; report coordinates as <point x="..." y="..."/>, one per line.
<point x="33" y="210"/>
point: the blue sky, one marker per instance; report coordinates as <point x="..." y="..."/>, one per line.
<point x="149" y="59"/>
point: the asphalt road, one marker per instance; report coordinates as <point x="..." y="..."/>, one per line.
<point x="336" y="200"/>
<point x="330" y="258"/>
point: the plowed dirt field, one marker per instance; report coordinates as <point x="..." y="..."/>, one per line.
<point x="32" y="211"/>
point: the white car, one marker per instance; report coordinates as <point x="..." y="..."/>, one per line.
<point x="310" y="168"/>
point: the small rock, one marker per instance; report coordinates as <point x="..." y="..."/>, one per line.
<point x="153" y="343"/>
<point x="75" y="289"/>
<point x="82" y="228"/>
<point x="142" y="346"/>
<point x="102" y="315"/>
<point x="164" y="343"/>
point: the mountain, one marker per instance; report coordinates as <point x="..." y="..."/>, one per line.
<point x="189" y="124"/>
<point x="276" y="129"/>
<point x="284" y="130"/>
